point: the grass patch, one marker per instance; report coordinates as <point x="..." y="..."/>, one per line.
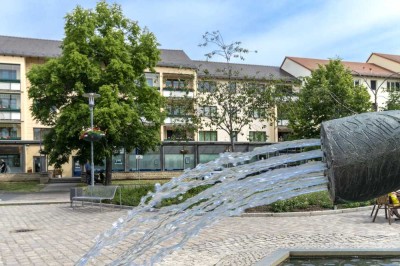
<point x="23" y="186"/>
<point x="139" y="182"/>
<point x="183" y="197"/>
<point x="133" y="192"/>
<point x="307" y="202"/>
<point x="131" y="195"/>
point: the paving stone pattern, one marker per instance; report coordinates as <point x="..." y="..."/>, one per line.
<point x="57" y="235"/>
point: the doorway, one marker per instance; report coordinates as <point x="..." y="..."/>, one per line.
<point x="39" y="164"/>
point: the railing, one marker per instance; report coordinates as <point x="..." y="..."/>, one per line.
<point x="177" y="93"/>
<point x="283" y="122"/>
<point x="12" y="85"/>
<point x="8" y="109"/>
<point x="7" y="115"/>
<point x="177" y="120"/>
<point x="10" y="138"/>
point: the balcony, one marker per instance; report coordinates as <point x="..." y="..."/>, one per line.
<point x="283" y="122"/>
<point x="10" y="85"/>
<point x="177" y="120"/>
<point x="171" y="92"/>
<point x="9" y="115"/>
<point x="10" y="138"/>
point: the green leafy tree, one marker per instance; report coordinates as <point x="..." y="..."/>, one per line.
<point x="105" y="53"/>
<point x="235" y="101"/>
<point x="393" y="102"/>
<point x="327" y="94"/>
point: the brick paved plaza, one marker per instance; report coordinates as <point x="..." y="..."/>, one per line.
<point x="54" y="234"/>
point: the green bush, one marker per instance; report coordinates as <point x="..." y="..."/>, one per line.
<point x="131" y="195"/>
<point x="307" y="202"/>
<point x="303" y="202"/>
<point x="181" y="198"/>
<point x="22" y="186"/>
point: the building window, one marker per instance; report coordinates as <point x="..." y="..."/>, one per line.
<point x="10" y="102"/>
<point x="257" y="136"/>
<point x="208" y="111"/>
<point x="149" y="82"/>
<point x="284" y="89"/>
<point x="235" y="136"/>
<point x="259" y="113"/>
<point x="9" y="72"/>
<point x="373" y="85"/>
<point x="393" y="86"/>
<point x="39" y="133"/>
<point x="176" y="110"/>
<point x="356" y="82"/>
<point x="208" y="136"/>
<point x="179" y="135"/>
<point x="206" y="86"/>
<point x="9" y="131"/>
<point x="232" y="87"/>
<point x="175" y="84"/>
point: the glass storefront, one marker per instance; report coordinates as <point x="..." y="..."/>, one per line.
<point x="178" y="157"/>
<point x="12" y="156"/>
<point x="150" y="161"/>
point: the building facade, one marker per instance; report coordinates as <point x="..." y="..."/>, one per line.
<point x="379" y="74"/>
<point x="177" y="78"/>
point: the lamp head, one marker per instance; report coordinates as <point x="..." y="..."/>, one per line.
<point x="91" y="97"/>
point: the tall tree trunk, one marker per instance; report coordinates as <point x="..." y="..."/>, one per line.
<point x="232" y="144"/>
<point x="108" y="170"/>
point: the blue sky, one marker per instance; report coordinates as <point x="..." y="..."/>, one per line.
<point x="349" y="29"/>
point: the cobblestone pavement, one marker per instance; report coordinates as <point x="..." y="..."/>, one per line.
<point x="57" y="235"/>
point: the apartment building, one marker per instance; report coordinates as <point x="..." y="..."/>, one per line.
<point x="379" y="74"/>
<point x="263" y="76"/>
<point x="388" y="61"/>
<point x="20" y="144"/>
<point x="176" y="76"/>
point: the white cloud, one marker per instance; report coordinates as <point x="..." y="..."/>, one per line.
<point x="336" y="22"/>
<point x="276" y="28"/>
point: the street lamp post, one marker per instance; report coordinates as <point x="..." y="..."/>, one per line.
<point x="91" y="97"/>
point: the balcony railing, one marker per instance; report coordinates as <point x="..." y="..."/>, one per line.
<point x="177" y="93"/>
<point x="283" y="122"/>
<point x="7" y="115"/>
<point x="10" y="138"/>
<point x="10" y="85"/>
<point x="9" y="109"/>
<point x="190" y="138"/>
<point x="177" y="120"/>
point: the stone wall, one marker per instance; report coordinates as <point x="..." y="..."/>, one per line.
<point x="145" y="175"/>
<point x="15" y="177"/>
<point x="20" y="177"/>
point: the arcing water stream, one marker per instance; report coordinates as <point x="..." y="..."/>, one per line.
<point x="149" y="233"/>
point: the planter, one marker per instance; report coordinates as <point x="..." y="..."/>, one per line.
<point x="92" y="135"/>
<point x="44" y="179"/>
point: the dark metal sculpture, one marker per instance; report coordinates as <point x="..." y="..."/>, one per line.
<point x="362" y="153"/>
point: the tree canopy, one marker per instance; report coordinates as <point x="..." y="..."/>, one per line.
<point x="327" y="94"/>
<point x="393" y="102"/>
<point x="105" y="53"/>
<point x="234" y="101"/>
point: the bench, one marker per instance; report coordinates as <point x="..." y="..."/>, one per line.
<point x="383" y="202"/>
<point x="94" y="194"/>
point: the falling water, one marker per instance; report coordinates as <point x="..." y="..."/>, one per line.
<point x="237" y="181"/>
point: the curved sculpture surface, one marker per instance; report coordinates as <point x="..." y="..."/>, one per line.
<point x="362" y="153"/>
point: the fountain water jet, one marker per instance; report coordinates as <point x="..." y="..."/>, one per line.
<point x="150" y="233"/>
